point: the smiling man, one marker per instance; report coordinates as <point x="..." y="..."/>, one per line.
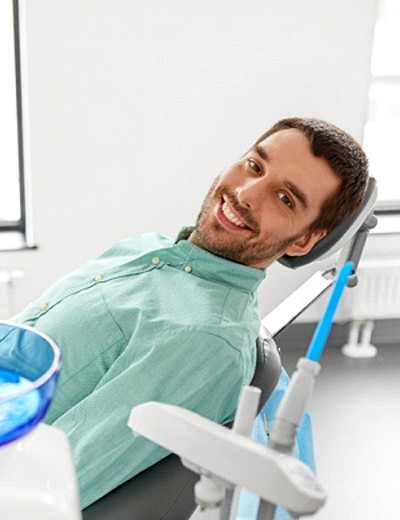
<point x="263" y="206"/>
<point x="176" y="321"/>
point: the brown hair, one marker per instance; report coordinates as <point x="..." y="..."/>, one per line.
<point x="346" y="158"/>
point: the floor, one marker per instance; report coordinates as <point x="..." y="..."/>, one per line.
<point x="355" y="409"/>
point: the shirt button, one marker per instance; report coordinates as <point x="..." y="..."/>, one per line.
<point x="98" y="278"/>
<point x="44" y="307"/>
<point x="155" y="260"/>
<point x="188" y="269"/>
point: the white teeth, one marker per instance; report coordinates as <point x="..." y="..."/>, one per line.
<point x="230" y="216"/>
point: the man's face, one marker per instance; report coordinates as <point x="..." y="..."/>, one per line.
<point x="261" y="207"/>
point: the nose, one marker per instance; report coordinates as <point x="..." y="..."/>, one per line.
<point x="251" y="193"/>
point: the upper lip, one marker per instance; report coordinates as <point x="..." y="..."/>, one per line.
<point x="235" y="211"/>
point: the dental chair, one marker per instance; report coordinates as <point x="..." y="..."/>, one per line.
<point x="165" y="491"/>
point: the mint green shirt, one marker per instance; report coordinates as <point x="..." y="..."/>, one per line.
<point x="148" y="320"/>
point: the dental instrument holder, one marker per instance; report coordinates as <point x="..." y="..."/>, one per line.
<point x="210" y="492"/>
<point x="292" y="408"/>
<point x="226" y="459"/>
<point x="284" y="431"/>
<point x="287" y="421"/>
<point x="294" y="402"/>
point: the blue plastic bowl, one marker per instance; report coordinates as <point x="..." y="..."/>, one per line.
<point x="29" y="366"/>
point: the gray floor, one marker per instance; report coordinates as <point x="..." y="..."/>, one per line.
<point x="355" y="411"/>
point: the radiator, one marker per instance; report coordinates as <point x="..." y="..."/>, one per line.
<point x="377" y="295"/>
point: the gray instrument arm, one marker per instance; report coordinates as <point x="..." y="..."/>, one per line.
<point x="353" y="251"/>
<point x="298" y="301"/>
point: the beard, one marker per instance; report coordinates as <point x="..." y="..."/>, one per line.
<point x="247" y="247"/>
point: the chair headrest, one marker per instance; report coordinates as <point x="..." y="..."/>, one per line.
<point x="340" y="235"/>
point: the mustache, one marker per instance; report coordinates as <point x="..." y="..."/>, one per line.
<point x="244" y="213"/>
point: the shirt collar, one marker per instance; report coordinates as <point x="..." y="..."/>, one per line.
<point x="215" y="268"/>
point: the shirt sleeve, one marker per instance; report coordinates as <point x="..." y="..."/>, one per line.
<point x="198" y="371"/>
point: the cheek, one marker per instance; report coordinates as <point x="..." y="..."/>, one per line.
<point x="276" y="222"/>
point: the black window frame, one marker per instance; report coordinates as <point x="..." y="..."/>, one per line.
<point x="17" y="228"/>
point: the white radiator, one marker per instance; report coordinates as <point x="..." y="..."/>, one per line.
<point x="377" y="295"/>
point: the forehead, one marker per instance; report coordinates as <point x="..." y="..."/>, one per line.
<point x="290" y="142"/>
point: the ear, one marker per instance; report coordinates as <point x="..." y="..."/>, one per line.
<point x="305" y="243"/>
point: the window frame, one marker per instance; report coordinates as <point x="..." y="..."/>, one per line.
<point x="13" y="234"/>
<point x="386" y="207"/>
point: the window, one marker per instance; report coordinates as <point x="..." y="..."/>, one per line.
<point x="382" y="130"/>
<point x="12" y="200"/>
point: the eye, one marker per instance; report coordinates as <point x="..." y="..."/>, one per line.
<point x="285" y="199"/>
<point x="254" y="166"/>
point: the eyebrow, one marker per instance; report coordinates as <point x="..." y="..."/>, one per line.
<point x="261" y="152"/>
<point x="297" y="192"/>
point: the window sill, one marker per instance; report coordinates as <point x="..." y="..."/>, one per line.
<point x="388" y="224"/>
<point x="14" y="241"/>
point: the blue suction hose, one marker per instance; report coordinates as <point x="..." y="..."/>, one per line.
<point x="294" y="402"/>
<point x="324" y="326"/>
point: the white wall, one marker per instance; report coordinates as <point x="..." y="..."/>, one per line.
<point x="136" y="105"/>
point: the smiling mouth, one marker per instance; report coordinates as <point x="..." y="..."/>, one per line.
<point x="230" y="217"/>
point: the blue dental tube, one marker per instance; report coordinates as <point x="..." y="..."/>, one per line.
<point x="294" y="402"/>
<point x="324" y="326"/>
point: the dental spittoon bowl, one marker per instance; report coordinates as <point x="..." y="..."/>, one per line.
<point x="29" y="366"/>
